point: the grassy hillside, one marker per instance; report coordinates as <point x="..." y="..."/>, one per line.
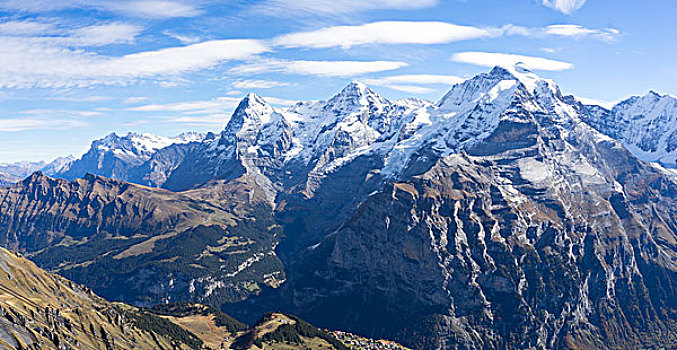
<point x="40" y="310"/>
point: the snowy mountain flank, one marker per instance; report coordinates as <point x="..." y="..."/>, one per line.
<point x="114" y="156"/>
<point x="324" y="135"/>
<point x="646" y="125"/>
<point x="505" y="215"/>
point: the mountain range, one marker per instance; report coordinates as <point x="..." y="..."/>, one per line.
<point x="506" y="215"/>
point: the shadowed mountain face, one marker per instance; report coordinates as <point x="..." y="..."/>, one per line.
<point x="495" y="218"/>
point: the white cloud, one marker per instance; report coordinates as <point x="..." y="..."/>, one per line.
<point x="566" y="30"/>
<point x="30" y="64"/>
<point x="384" y="33"/>
<point x="317" y="68"/>
<point x="289" y="8"/>
<point x="80" y="99"/>
<point x="412" y="89"/>
<point x="216" y="111"/>
<point x="185" y="39"/>
<point x="154" y="8"/>
<point x="39" y="33"/>
<point x="37" y="123"/>
<point x="181" y="59"/>
<point x="565" y="6"/>
<point x="573" y="30"/>
<point x="419" y="79"/>
<point x="490" y="59"/>
<point x="135" y="99"/>
<point x="216" y="105"/>
<point x="259" y="84"/>
<point x="102" y="35"/>
<point x="411" y="83"/>
<point x="27" y="28"/>
<point x="206" y="107"/>
<point x="47" y="119"/>
<point x="61" y="113"/>
<point x="409" y="32"/>
<point x="133" y="8"/>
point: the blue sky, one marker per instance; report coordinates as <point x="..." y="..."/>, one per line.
<point x="74" y="70"/>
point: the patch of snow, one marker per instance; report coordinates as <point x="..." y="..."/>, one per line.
<point x="533" y="170"/>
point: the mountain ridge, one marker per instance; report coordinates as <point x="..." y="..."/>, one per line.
<point x="501" y="216"/>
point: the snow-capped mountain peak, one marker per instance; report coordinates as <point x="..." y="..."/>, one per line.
<point x="646" y="125"/>
<point x="487" y="87"/>
<point x="355" y="97"/>
<point x="140" y="144"/>
<point x="250" y="115"/>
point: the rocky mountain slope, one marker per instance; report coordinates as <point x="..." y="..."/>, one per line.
<point x="531" y="229"/>
<point x="144" y="245"/>
<point x="502" y="216"/>
<point x="39" y="310"/>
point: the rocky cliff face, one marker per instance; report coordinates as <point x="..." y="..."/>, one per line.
<point x="145" y="245"/>
<point x="543" y="234"/>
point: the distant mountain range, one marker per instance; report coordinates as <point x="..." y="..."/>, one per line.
<point x="15" y="172"/>
<point x="506" y="215"/>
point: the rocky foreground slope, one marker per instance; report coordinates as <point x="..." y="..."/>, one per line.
<point x="39" y="310"/>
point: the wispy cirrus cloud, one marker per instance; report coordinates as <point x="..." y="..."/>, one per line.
<point x="183" y="38"/>
<point x="135" y="99"/>
<point x="391" y="32"/>
<point x="48" y="33"/>
<point x="491" y="59"/>
<point x="316" y="68"/>
<point x="191" y="107"/>
<point x="30" y="64"/>
<point x="134" y="8"/>
<point x="572" y="30"/>
<point x="215" y="111"/>
<point x="47" y="119"/>
<point x="100" y="35"/>
<point x="422" y="32"/>
<point x="412" y="83"/>
<point x="41" y="54"/>
<point x="26" y="27"/>
<point x="288" y="8"/>
<point x="565" y="6"/>
<point x="37" y="123"/>
<point x="259" y="84"/>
